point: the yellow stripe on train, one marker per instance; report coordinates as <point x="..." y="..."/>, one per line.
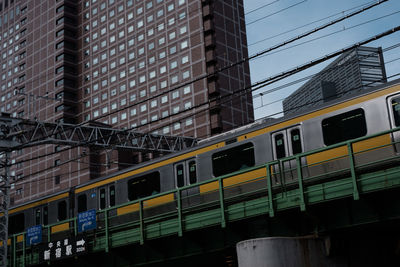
<point x="60" y="227"/>
<point x="146" y="204"/>
<point x="235" y="180"/>
<point x="340" y="152"/>
<point x="20" y="238"/>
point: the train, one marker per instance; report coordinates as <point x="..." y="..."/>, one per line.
<point x="368" y="112"/>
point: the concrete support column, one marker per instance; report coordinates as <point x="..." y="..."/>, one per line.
<point x="285" y="252"/>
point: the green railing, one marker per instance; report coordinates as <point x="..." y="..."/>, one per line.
<point x="265" y="194"/>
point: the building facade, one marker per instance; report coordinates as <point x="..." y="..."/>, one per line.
<point x="121" y="63"/>
<point x="350" y="73"/>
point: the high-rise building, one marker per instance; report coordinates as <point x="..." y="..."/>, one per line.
<point x="117" y="62"/>
<point x="356" y="70"/>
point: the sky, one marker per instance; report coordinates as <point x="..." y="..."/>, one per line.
<point x="285" y="15"/>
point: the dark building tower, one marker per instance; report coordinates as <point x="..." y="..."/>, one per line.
<point x="117" y="63"/>
<point x="353" y="71"/>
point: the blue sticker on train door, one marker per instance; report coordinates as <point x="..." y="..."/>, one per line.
<point x="86" y="220"/>
<point x="34" y="235"/>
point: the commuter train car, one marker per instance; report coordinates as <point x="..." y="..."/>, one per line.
<point x="367" y="113"/>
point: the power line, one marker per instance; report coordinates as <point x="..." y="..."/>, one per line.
<point x="51" y="168"/>
<point x="291" y="40"/>
<point x="274" y="13"/>
<point x="329" y="56"/>
<point x="304" y="79"/>
<point x="318" y="100"/>
<point x="332" y="33"/>
<point x="17" y="184"/>
<point x="261" y="7"/>
<point x="310" y="23"/>
<point x="323" y="71"/>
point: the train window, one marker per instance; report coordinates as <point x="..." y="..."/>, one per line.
<point x="37" y="216"/>
<point x="45" y="216"/>
<point x="62" y="210"/>
<point x="280" y="146"/>
<point x="102" y="198"/>
<point x="82" y="203"/>
<point x="112" y="196"/>
<point x="192" y="172"/>
<point x="16" y="224"/>
<point x="296" y="141"/>
<point x="144" y="186"/>
<point x="180" y="178"/>
<point x="396" y="110"/>
<point x="233" y="159"/>
<point x="344" y="127"/>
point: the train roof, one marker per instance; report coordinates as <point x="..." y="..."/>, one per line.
<point x="268" y="121"/>
<point x="58" y="193"/>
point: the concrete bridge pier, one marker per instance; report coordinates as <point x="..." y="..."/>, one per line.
<point x="285" y="252"/>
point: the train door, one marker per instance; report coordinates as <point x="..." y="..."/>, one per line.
<point x="394" y="115"/>
<point x="286" y="143"/>
<point x="106" y="196"/>
<point x="186" y="174"/>
<point x="41" y="215"/>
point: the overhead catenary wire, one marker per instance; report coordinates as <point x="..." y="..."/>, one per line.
<point x="22" y="180"/>
<point x="304" y="79"/>
<point x="318" y="100"/>
<point x="330" y="34"/>
<point x="276" y="12"/>
<point x="324" y="58"/>
<point x="307" y="33"/>
<point x="323" y="71"/>
<point x="309" y="23"/>
<point x="261" y="7"/>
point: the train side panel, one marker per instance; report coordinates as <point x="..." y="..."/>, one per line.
<point x="375" y="117"/>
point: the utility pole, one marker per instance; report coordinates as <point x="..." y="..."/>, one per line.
<point x="5" y="189"/>
<point x="6" y="144"/>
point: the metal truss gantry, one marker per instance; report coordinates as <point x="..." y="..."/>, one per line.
<point x="28" y="133"/>
<point x="21" y="133"/>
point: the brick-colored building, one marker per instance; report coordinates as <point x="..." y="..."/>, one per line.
<point x="77" y="61"/>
